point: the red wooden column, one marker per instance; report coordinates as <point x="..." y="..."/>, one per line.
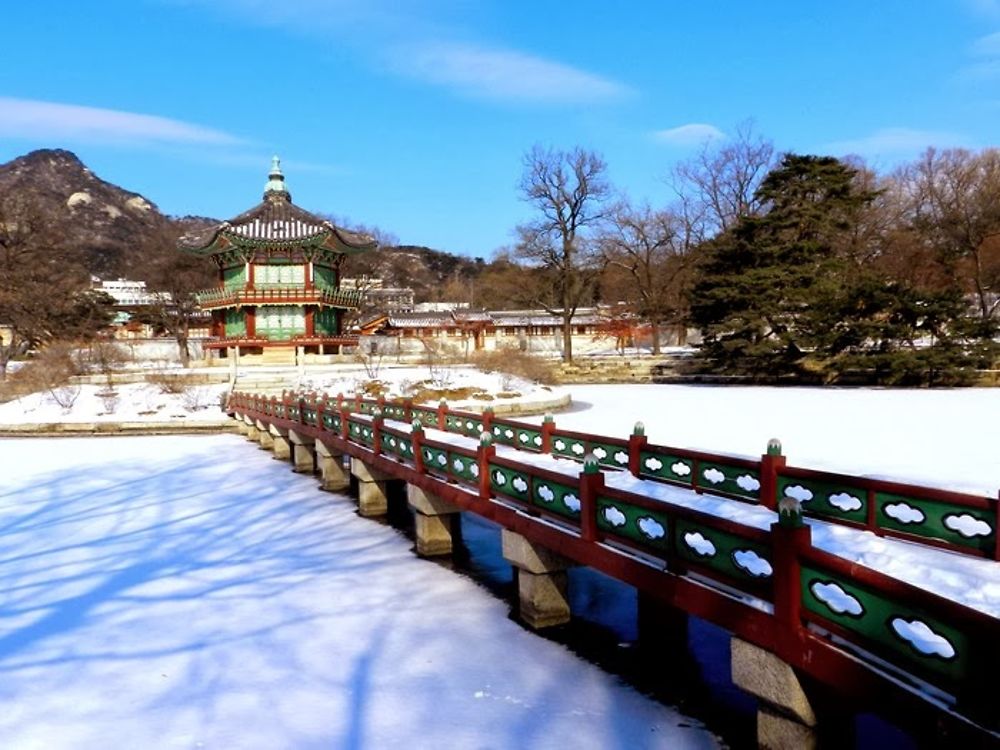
<point x="251" y="318"/>
<point x="310" y="321"/>
<point x="770" y="463"/>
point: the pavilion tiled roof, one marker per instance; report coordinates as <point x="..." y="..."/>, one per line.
<point x="275" y="220"/>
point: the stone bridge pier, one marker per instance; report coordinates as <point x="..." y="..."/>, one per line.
<point x="281" y="445"/>
<point x="372" y="497"/>
<point x="333" y="476"/>
<point x="264" y="436"/>
<point x="435" y="522"/>
<point x="303" y="452"/>
<point x="542" y="583"/>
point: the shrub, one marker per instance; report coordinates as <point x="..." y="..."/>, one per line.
<point x="512" y="362"/>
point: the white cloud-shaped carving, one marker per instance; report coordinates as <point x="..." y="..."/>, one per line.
<point x="798" y="492"/>
<point x="680" y="469"/>
<point x="967" y="525"/>
<point x="752" y="563"/>
<point x="559" y="445"/>
<point x="621" y="457"/>
<point x="653" y="463"/>
<point x="508" y="434"/>
<point x="713" y="475"/>
<point x="651" y="528"/>
<point x="904" y="513"/>
<point x="499" y="478"/>
<point x="470" y="424"/>
<point x="457" y="464"/>
<point x="523" y="437"/>
<point x="844" y="501"/>
<point x="496" y="431"/>
<point x="428" y="456"/>
<point x="838" y="600"/>
<point x="922" y="638"/>
<point x="546" y="493"/>
<point x="578" y="449"/>
<point x="474" y="470"/>
<point x="572" y="502"/>
<point x="519" y="484"/>
<point x="696" y="541"/>
<point x="392" y="442"/>
<point x="537" y="440"/>
<point x="442" y="459"/>
<point x="748" y="483"/>
<point x="600" y="453"/>
<point x="614" y="516"/>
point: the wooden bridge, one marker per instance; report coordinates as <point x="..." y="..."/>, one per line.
<point x="717" y="536"/>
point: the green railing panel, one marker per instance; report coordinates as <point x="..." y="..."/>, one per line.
<point x="331" y="421"/>
<point x="361" y="432"/>
<point x="920" y="641"/>
<point x="395" y="412"/>
<point x="967" y="527"/>
<point x="562" y="499"/>
<point x="292" y="410"/>
<point x="510" y="482"/>
<point x="471" y="426"/>
<point x="309" y="415"/>
<point x="734" y="480"/>
<point x="463" y="468"/>
<point x="831" y="499"/>
<point x="723" y="552"/>
<point x="568" y="447"/>
<point x="612" y="456"/>
<point x="435" y="459"/>
<point x="397" y="445"/>
<point x="665" y="467"/>
<point x="648" y="528"/>
<point x="522" y="438"/>
<point x="427" y="417"/>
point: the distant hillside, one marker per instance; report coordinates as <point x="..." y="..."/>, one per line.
<point x="432" y="274"/>
<point x="116" y="231"/>
<point x="109" y="226"/>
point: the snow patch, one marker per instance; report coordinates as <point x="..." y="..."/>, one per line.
<point x="713" y="475"/>
<point x="79" y="198"/>
<point x="904" y="513"/>
<point x="798" y="492"/>
<point x="923" y="640"/>
<point x="844" y="501"/>
<point x="752" y="563"/>
<point x="614" y="516"/>
<point x="699" y="543"/>
<point x="838" y="600"/>
<point x="651" y="528"/>
<point x="967" y="525"/>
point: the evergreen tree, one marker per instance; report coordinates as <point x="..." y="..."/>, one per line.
<point x="761" y="277"/>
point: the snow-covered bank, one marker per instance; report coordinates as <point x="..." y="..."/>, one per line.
<point x="941" y="438"/>
<point x="191" y="591"/>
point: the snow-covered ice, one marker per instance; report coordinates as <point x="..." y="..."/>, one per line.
<point x="181" y="592"/>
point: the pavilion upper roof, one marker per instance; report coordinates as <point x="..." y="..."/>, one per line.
<point x="275" y="221"/>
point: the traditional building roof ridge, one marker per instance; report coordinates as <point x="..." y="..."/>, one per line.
<point x="275" y="220"/>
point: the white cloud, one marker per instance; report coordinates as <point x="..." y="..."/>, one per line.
<point x="692" y="134"/>
<point x="502" y="74"/>
<point x="896" y="141"/>
<point x="987" y="46"/>
<point x="37" y="120"/>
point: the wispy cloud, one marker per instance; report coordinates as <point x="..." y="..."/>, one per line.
<point x="692" y="134"/>
<point x="987" y="46"/>
<point x="891" y="142"/>
<point x="502" y="74"/>
<point x="38" y="120"/>
<point x="988" y="8"/>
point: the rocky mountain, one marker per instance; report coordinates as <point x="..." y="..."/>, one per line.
<point x="116" y="230"/>
<point x="106" y="224"/>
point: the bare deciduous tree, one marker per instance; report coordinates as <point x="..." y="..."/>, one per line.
<point x="723" y="177"/>
<point x="569" y="191"/>
<point x="654" y="249"/>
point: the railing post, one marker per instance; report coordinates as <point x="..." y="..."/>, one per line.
<point x="484" y="453"/>
<point x="591" y="484"/>
<point x="770" y="463"/>
<point x="377" y="431"/>
<point x="407" y="410"/>
<point x="996" y="527"/>
<point x="442" y="415"/>
<point x="789" y="536"/>
<point x="302" y="410"/>
<point x="487" y="418"/>
<point x="636" y="444"/>
<point x="344" y="427"/>
<point x="357" y="403"/>
<point x="417" y="442"/>
<point x="548" y="427"/>
<point x="321" y="414"/>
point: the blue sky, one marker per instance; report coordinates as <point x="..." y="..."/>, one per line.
<point x="414" y="115"/>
